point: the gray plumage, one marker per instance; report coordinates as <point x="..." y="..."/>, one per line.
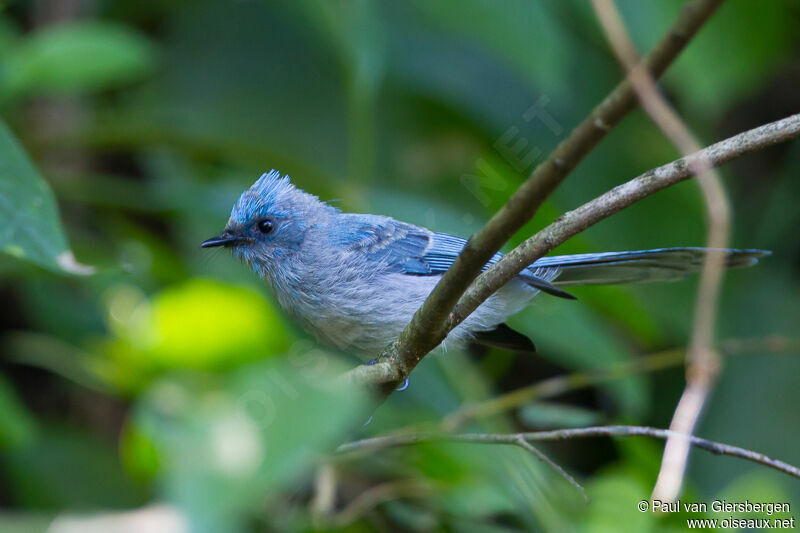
<point x="355" y="281"/>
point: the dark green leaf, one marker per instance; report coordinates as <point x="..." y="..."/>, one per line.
<point x="29" y="226"/>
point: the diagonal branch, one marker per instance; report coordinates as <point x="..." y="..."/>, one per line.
<point x="717" y="448"/>
<point x="428" y="326"/>
<point x="573" y="222"/>
<point x="577" y="220"/>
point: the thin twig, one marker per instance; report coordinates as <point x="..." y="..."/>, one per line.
<point x="428" y="327"/>
<point x="378" y="443"/>
<point x="702" y="362"/>
<point x="522" y="443"/>
<point x="558" y="385"/>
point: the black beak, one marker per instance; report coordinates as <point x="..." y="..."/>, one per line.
<point x="223" y="239"/>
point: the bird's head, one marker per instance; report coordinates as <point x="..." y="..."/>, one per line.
<point x="269" y="221"/>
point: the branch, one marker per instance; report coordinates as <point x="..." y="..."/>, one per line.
<point x="702" y="361"/>
<point x="428" y="327"/>
<point x="614" y="201"/>
<point x="378" y="443"/>
<point x="577" y="220"/>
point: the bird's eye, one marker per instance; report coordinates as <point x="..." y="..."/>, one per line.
<point x="265" y="226"/>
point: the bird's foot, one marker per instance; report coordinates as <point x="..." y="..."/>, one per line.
<point x="402" y="387"/>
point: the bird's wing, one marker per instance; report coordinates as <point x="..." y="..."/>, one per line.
<point x="404" y="247"/>
<point x="398" y="245"/>
<point x="409" y="249"/>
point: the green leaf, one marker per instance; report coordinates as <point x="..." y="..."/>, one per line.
<point x="29" y="226"/>
<point x="80" y="56"/>
<point x="200" y="324"/>
<point x="226" y="445"/>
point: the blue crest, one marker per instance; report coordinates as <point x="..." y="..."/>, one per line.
<point x="273" y="195"/>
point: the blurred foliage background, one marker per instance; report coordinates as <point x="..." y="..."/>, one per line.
<point x="169" y="376"/>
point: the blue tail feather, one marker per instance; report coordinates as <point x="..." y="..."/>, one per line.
<point x="640" y="266"/>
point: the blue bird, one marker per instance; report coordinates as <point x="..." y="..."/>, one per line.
<point x="354" y="281"/>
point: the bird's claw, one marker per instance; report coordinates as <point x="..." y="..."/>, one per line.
<point x="404" y="386"/>
<point x="401" y="388"/>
